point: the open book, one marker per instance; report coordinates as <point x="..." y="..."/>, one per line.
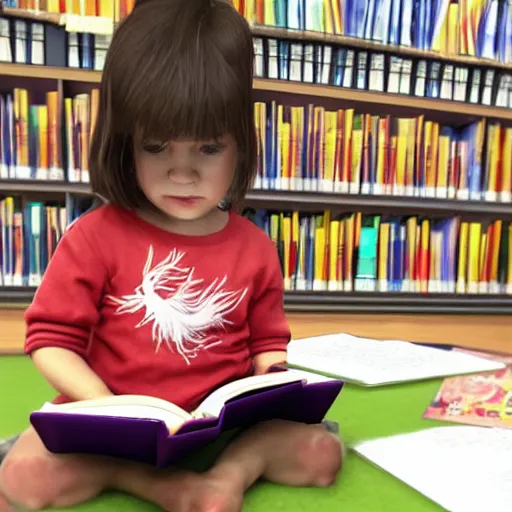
<point x="139" y="427"/>
<point x="372" y="363"/>
<point x="147" y="407"/>
<point x="462" y="468"/>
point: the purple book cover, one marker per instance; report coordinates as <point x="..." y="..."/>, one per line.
<point x="147" y="441"/>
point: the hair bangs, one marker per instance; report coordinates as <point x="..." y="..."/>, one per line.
<point x="195" y="96"/>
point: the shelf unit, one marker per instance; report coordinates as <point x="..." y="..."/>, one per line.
<point x="308" y="201"/>
<point x="443" y="110"/>
<point x="306" y="35"/>
<point x="352" y="302"/>
<point x="376" y="102"/>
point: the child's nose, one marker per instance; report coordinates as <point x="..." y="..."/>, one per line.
<point x="182" y="175"/>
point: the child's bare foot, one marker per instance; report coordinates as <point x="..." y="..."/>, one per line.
<point x="208" y="492"/>
<point x="286" y="453"/>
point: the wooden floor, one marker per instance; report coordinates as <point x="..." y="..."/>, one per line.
<point x="484" y="332"/>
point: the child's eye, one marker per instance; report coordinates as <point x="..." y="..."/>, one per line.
<point x="154" y="147"/>
<point x="211" y="149"/>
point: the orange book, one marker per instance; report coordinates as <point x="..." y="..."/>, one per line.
<point x="54" y="134"/>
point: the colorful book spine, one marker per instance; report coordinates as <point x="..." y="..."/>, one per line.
<point x="29" y="234"/>
<point x="309" y="148"/>
<point x="373" y="253"/>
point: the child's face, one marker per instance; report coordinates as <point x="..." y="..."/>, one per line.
<point x="186" y="179"/>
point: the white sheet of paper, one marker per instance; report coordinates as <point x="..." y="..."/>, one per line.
<point x="372" y="362"/>
<point x="462" y="468"/>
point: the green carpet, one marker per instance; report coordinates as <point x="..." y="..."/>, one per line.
<point x="361" y="413"/>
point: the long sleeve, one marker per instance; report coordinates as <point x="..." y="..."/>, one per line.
<point x="267" y="320"/>
<point x="65" y="306"/>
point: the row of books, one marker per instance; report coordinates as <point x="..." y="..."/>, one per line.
<point x="31" y="142"/>
<point x="314" y="149"/>
<point x="305" y="148"/>
<point x="481" y="28"/>
<point x="355" y="252"/>
<point x="29" y="234"/>
<point x="31" y="42"/>
<point x="114" y="9"/>
<point x="28" y="42"/>
<point x="318" y="252"/>
<point x="328" y="64"/>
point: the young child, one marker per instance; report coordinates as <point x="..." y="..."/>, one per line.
<point x="165" y="290"/>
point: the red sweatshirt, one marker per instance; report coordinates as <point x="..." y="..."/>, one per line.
<point x="160" y="314"/>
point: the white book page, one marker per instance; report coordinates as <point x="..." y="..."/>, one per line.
<point x="463" y="468"/>
<point x="212" y="405"/>
<point x="125" y="406"/>
<point x="372" y="362"/>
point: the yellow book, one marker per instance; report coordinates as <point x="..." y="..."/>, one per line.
<point x="21" y="108"/>
<point x="381" y="158"/>
<point x="401" y="157"/>
<point x="383" y="248"/>
<point x="285" y="155"/>
<point x="106" y="8"/>
<point x="95" y="102"/>
<point x="42" y="115"/>
<point x="334" y="241"/>
<point x="331" y="119"/>
<point x="475" y="239"/>
<point x="53" y="6"/>
<point x="506" y="162"/>
<point x="295" y="148"/>
<point x="328" y="17"/>
<point x="269" y="13"/>
<point x="286" y="237"/>
<point x="318" y="283"/>
<point x="424" y="269"/>
<point x="453" y="33"/>
<point x="462" y="267"/>
<point x="443" y="165"/>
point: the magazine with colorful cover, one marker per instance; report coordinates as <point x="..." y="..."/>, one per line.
<point x="483" y="399"/>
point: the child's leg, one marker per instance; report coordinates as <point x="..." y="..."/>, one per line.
<point x="283" y="452"/>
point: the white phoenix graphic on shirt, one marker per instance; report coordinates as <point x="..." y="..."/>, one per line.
<point x="181" y="308"/>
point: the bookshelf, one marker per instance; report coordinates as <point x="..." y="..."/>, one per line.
<point x="303" y="35"/>
<point x="455" y="113"/>
<point x="438" y="109"/>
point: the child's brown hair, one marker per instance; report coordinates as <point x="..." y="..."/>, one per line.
<point x="175" y="68"/>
